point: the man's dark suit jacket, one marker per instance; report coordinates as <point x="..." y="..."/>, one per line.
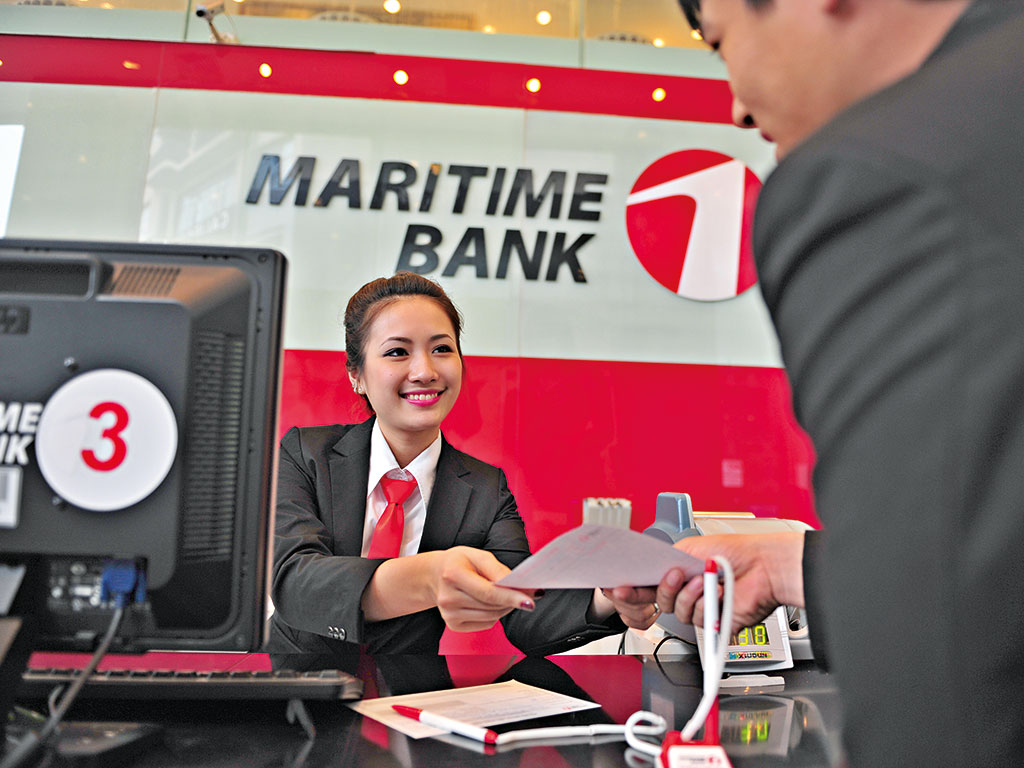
<point x="319" y="576"/>
<point x="890" y="249"/>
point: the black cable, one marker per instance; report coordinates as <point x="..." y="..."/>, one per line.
<point x="33" y="741"/>
<point x="668" y="637"/>
<point x="657" y="660"/>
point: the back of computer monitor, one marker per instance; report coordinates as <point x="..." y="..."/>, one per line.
<point x="138" y="398"/>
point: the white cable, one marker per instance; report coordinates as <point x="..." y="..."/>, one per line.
<point x="656" y="728"/>
<point x="644" y="723"/>
<point x="714" y="663"/>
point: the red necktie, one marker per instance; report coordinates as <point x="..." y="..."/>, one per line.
<point x="387" y="536"/>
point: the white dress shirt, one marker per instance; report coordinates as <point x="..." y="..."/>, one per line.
<point x="423" y="468"/>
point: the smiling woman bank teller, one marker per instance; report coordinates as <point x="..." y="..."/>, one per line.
<point x="337" y="581"/>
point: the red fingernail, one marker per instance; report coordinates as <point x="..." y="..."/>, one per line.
<point x="527" y="605"/>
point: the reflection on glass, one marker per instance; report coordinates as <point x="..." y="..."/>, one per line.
<point x="547" y="18"/>
<point x="656" y="23"/>
<point x="648" y="23"/>
<point x="147" y="5"/>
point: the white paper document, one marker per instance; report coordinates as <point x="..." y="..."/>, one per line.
<point x="601" y="556"/>
<point x="481" y="705"/>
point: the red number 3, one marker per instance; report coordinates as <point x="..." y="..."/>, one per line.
<point x="113" y="434"/>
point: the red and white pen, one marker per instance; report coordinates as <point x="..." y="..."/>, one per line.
<point x="486" y="735"/>
<point x="712" y="627"/>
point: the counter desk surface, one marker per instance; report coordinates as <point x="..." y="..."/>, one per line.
<point x="795" y="725"/>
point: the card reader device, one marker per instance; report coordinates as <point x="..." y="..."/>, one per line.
<point x="773" y="643"/>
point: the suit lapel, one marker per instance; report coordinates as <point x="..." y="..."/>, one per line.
<point x="448" y="501"/>
<point x="349" y="463"/>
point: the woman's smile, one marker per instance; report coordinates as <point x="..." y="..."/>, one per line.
<point x="423" y="397"/>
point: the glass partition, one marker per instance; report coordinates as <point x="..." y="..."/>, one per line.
<point x="101" y="5"/>
<point x="633" y="35"/>
<point x="657" y="23"/>
<point x="541" y="18"/>
<point x="119" y="19"/>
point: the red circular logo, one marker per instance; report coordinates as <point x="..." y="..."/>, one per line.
<point x="689" y="218"/>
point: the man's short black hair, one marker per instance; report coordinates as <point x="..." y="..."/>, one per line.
<point x="691" y="10"/>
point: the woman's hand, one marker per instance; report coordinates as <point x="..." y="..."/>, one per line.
<point x="458" y="581"/>
<point x="464" y="591"/>
<point x="636" y="606"/>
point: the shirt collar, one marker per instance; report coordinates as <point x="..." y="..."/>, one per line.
<point x="382" y="459"/>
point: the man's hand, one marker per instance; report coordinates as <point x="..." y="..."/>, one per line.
<point x="636" y="606"/>
<point x="768" y="570"/>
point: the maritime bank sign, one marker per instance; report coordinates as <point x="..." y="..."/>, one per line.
<point x="687" y="216"/>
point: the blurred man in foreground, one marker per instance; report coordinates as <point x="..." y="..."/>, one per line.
<point x="890" y="249"/>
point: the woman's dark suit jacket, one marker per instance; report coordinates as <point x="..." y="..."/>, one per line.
<point x="319" y="576"/>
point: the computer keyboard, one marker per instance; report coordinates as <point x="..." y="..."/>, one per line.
<point x="178" y="684"/>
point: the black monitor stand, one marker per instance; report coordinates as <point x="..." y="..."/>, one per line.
<point x="17" y="641"/>
<point x="16" y="637"/>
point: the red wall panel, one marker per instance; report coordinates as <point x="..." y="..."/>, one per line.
<point x="566" y="429"/>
